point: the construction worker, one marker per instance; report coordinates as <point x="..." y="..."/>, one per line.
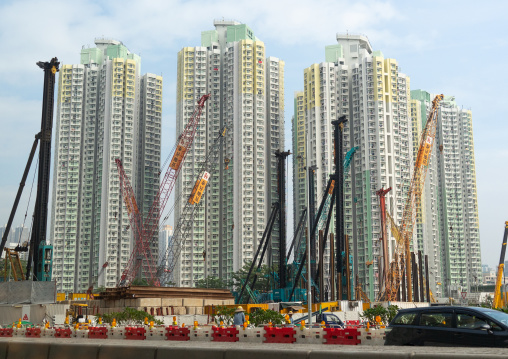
<point x="239" y="317"/>
<point x="290" y="314"/>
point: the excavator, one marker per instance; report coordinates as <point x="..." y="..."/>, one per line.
<point x="498" y="295"/>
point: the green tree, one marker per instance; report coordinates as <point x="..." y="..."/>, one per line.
<point x="264" y="276"/>
<point x="213" y="282"/>
<point x="129" y="316"/>
<point x="262" y="316"/>
<point x="488" y="302"/>
<point x="224" y="314"/>
<point x="386" y="314"/>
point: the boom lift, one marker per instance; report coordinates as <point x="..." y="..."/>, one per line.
<point x="498" y="295"/>
<point x="146" y="230"/>
<point x="182" y="229"/>
<point x="402" y="251"/>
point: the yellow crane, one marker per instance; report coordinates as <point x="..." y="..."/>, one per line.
<point x="498" y="295"/>
<point x="402" y="257"/>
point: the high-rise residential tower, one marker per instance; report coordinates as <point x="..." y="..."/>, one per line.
<point x="247" y="92"/>
<point x="449" y="215"/>
<point x="105" y="111"/>
<point x="369" y="90"/>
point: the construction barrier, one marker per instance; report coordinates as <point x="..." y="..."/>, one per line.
<point x="6" y="332"/>
<point x="229" y="334"/>
<point x="32" y="332"/>
<point x="309" y="336"/>
<point x="116" y="333"/>
<point x="353" y="324"/>
<point x="135" y="333"/>
<point x="251" y="335"/>
<point x="97" y="333"/>
<point x="279" y="335"/>
<point x="373" y="336"/>
<point x="348" y="336"/>
<point x="48" y="332"/>
<point x="80" y="333"/>
<point x="201" y="334"/>
<point x="18" y="332"/>
<point x="63" y="332"/>
<point x="177" y="333"/>
<point x="156" y="333"/>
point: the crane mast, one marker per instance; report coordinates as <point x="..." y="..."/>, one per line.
<point x="151" y="223"/>
<point x="498" y="297"/>
<point x="402" y="251"/>
<point x="185" y="223"/>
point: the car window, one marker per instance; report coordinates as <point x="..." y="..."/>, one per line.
<point x="404" y="318"/>
<point x="472" y="321"/>
<point x="332" y="319"/>
<point x="436" y="319"/>
<point x="498" y="315"/>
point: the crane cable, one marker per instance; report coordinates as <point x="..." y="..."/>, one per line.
<point x="27" y="206"/>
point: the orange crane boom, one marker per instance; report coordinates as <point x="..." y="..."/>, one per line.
<point x="409" y="213"/>
<point x="151" y="223"/>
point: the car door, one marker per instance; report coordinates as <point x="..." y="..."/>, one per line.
<point x="401" y="329"/>
<point x="469" y="331"/>
<point x="435" y="328"/>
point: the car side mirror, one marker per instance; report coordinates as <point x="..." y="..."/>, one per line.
<point x="486" y="327"/>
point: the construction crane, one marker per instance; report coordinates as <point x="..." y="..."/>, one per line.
<point x="40" y="271"/>
<point x="13" y="262"/>
<point x="402" y="255"/>
<point x="185" y="223"/>
<point x="498" y="295"/>
<point x="384" y="238"/>
<point x="146" y="230"/>
<point x="89" y="292"/>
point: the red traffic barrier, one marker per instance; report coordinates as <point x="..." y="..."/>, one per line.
<point x="353" y="324"/>
<point x="348" y="336"/>
<point x="63" y="332"/>
<point x="279" y="335"/>
<point x="224" y="334"/>
<point x="133" y="333"/>
<point x="6" y="332"/>
<point x="177" y="333"/>
<point x="33" y="332"/>
<point x="97" y="333"/>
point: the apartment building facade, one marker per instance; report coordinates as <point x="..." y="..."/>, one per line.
<point x="369" y="90"/>
<point x="450" y="206"/>
<point x="247" y="91"/>
<point x="105" y="111"/>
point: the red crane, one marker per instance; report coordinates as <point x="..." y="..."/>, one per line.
<point x="384" y="238"/>
<point x="151" y="224"/>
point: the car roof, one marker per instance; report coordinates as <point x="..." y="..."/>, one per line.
<point x="443" y="307"/>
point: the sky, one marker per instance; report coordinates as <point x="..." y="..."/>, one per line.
<point x="452" y="47"/>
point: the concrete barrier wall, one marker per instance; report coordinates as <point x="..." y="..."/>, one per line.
<point x="59" y="349"/>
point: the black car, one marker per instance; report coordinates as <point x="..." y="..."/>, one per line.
<point x="449" y="326"/>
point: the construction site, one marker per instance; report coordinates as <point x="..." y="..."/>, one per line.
<point x="303" y="288"/>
